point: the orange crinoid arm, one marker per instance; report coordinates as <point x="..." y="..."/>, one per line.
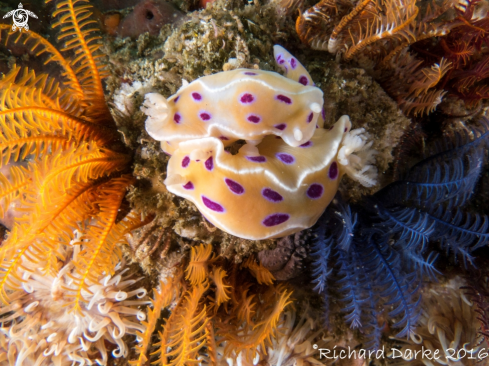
<point x="78" y="30"/>
<point x="63" y="169"/>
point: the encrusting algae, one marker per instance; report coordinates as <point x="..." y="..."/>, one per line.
<point x="102" y="264"/>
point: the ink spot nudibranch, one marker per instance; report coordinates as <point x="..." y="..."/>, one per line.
<point x="246" y="98"/>
<point x="306" y="144"/>
<point x="333" y="171"/>
<point x="271" y="195"/>
<point x="276" y="219"/>
<point x="280" y="126"/>
<point x="185" y="162"/>
<point x="315" y="191"/>
<point x="238" y="103"/>
<point x="256" y="159"/>
<point x="284" y="98"/>
<point x="235" y="187"/>
<point x="281" y="180"/>
<point x="286" y="158"/>
<point x="209" y="164"/>
<point x="204" y="116"/>
<point x="275" y="193"/>
<point x="197" y="97"/>
<point x="177" y="117"/>
<point x="303" y="80"/>
<point x="310" y="117"/>
<point x="214" y="206"/>
<point x="253" y="118"/>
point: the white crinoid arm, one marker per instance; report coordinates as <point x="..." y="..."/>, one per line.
<point x="357" y="158"/>
<point x="155" y="106"/>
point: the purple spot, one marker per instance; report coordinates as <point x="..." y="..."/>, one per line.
<point x="306" y="144"/>
<point x="284" y="99"/>
<point x="309" y="118"/>
<point x="303" y="80"/>
<point x="250" y="73"/>
<point x="204" y="116"/>
<point x="209" y="164"/>
<point x="346" y="129"/>
<point x="317" y="126"/>
<point x="185" y="162"/>
<point x="277" y="137"/>
<point x="271" y="195"/>
<point x="189" y="185"/>
<point x="214" y="206"/>
<point x="281" y="62"/>
<point x="315" y="191"/>
<point x="176" y="99"/>
<point x="333" y="171"/>
<point x="293" y="63"/>
<point x="329" y="129"/>
<point x="253" y="118"/>
<point x="257" y="159"/>
<point x="235" y="187"/>
<point x="197" y="97"/>
<point x="280" y="127"/>
<point x="275" y="219"/>
<point x="247" y="98"/>
<point x="279" y="57"/>
<point x="177" y="117"/>
<point x="223" y="138"/>
<point x="323" y="114"/>
<point x="286" y="158"/>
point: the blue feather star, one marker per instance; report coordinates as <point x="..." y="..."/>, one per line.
<point x="377" y="255"/>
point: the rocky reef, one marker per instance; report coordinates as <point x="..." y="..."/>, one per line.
<point x="84" y="247"/>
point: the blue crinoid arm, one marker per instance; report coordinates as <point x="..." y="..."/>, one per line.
<point x="411" y="229"/>
<point x="350" y="286"/>
<point x="371" y="327"/>
<point x="447" y="177"/>
<point x="377" y="255"/>
<point x="459" y="232"/>
<point x="335" y="229"/>
<point x="321" y="252"/>
<point x="427" y="205"/>
<point x="397" y="288"/>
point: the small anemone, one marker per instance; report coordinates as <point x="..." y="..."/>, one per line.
<point x="448" y="325"/>
<point x="297" y="341"/>
<point x="39" y="325"/>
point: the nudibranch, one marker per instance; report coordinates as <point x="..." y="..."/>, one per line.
<point x="241" y="104"/>
<point x="288" y="171"/>
<point x="277" y="192"/>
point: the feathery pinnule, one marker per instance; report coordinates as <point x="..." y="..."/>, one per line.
<point x="72" y="179"/>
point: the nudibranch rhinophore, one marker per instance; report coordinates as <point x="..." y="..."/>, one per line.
<point x="282" y="190"/>
<point x="235" y="105"/>
<point x="282" y="179"/>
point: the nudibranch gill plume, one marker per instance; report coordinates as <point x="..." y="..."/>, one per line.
<point x="286" y="174"/>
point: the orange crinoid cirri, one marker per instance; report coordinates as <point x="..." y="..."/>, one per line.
<point x="65" y="174"/>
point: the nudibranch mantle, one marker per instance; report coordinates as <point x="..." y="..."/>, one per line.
<point x="241" y="104"/>
<point x="282" y="190"/>
<point x="288" y="171"/>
